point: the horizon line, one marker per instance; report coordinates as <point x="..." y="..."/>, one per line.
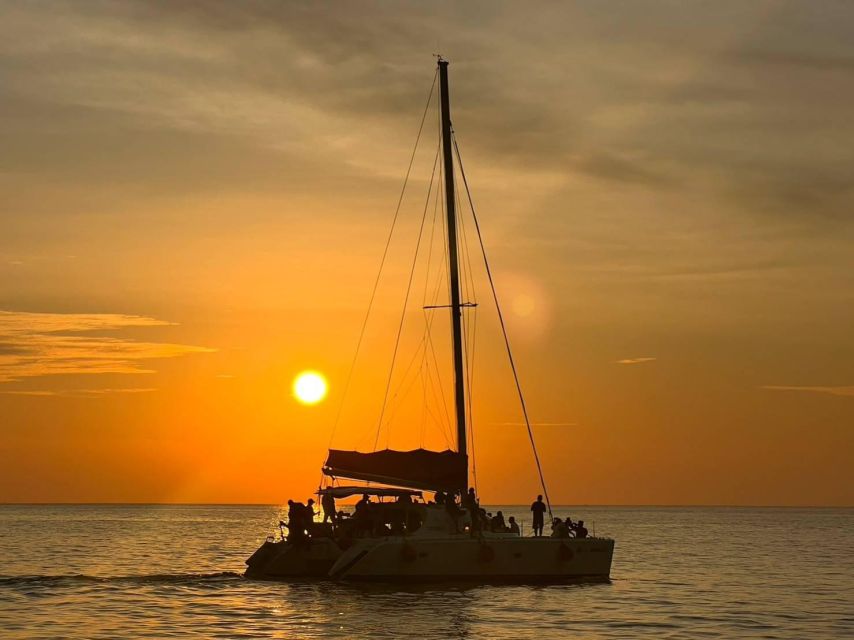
<point x="497" y="504"/>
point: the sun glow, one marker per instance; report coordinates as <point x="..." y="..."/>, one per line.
<point x="310" y="387"/>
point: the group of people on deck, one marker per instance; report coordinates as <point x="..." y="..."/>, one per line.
<point x="481" y="520"/>
<point x="300" y="518"/>
<point x="365" y="520"/>
<point x="560" y="528"/>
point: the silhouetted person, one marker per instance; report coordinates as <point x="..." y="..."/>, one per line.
<point x="470" y="500"/>
<point x="361" y="504"/>
<point x="538" y="508"/>
<point x="304" y="517"/>
<point x="296" y="521"/>
<point x="328" y="504"/>
<point x="361" y="517"/>
<point x="396" y="522"/>
<point x="559" y="529"/>
<point x="440" y="497"/>
<point x="470" y="503"/>
<point x="453" y="510"/>
<point x="580" y="530"/>
<point x="497" y="523"/>
<point x="513" y="527"/>
<point x="570" y="525"/>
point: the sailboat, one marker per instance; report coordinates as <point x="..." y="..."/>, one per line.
<point x="411" y="539"/>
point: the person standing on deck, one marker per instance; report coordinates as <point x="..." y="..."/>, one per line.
<point x="296" y="521"/>
<point x="471" y="504"/>
<point x="538" y="508"/>
<point x="308" y="514"/>
<point x="327" y="501"/>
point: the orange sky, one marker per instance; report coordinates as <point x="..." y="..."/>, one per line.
<point x="194" y="201"/>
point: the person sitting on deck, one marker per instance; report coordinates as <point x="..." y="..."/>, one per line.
<point x="362" y="517"/>
<point x="361" y="504"/>
<point x="570" y="526"/>
<point x="580" y="530"/>
<point x="397" y="523"/>
<point x="497" y="523"/>
<point x="484" y="519"/>
<point x="513" y="527"/>
<point x="559" y="529"/>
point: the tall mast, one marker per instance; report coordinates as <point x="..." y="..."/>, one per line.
<point x="453" y="263"/>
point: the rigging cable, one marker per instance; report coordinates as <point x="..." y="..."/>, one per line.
<point x="428" y="315"/>
<point x="382" y="264"/>
<point x="503" y="329"/>
<point x="469" y="332"/>
<point x="406" y="299"/>
<point x="445" y="276"/>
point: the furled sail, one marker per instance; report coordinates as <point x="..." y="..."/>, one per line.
<point x="417" y="469"/>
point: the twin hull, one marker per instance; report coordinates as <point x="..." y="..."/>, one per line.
<point x="459" y="557"/>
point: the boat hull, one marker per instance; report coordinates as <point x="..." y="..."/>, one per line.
<point x="312" y="558"/>
<point x="505" y="559"/>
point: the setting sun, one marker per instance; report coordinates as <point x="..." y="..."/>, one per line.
<point x="310" y="387"/>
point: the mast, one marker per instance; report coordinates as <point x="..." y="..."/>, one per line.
<point x="453" y="263"/>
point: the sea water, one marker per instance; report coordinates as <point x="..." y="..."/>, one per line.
<point x="152" y="571"/>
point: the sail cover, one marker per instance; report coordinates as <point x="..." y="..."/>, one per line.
<point x="418" y="469"/>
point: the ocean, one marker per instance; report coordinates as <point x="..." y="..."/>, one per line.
<point x="156" y="571"/>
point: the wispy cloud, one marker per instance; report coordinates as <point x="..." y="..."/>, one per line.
<point x="44" y="344"/>
<point x="204" y="68"/>
<point x="833" y="391"/>
<point x="635" y="360"/>
<point x="536" y="424"/>
<point x="77" y="393"/>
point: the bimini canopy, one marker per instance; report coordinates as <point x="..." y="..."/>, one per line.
<point x="418" y="469"/>
<point x="346" y="492"/>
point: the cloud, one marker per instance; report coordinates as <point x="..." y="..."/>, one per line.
<point x="635" y="360"/>
<point x="536" y="424"/>
<point x="620" y="169"/>
<point x="337" y="87"/>
<point x="834" y="391"/>
<point x="807" y="60"/>
<point x="77" y="393"/>
<point x="44" y="344"/>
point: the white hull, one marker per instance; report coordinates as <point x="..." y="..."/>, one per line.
<point x="462" y="557"/>
<point x="281" y="561"/>
<point x="436" y="552"/>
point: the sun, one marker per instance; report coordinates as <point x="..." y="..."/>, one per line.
<point x="310" y="387"/>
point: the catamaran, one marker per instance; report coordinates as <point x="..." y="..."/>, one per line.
<point x="409" y="538"/>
